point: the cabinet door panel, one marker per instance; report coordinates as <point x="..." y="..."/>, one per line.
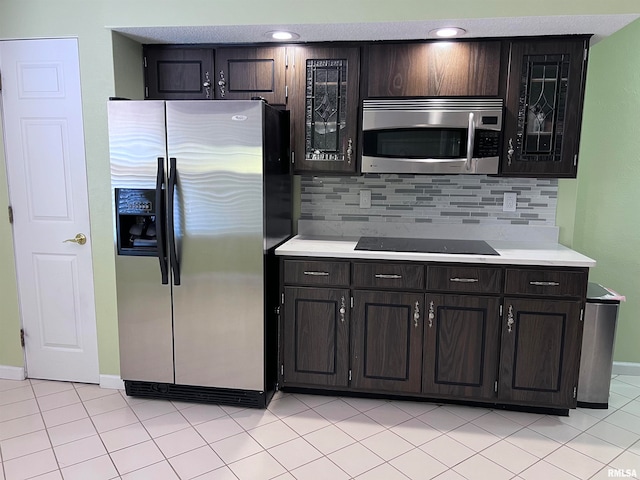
<point x="316" y="332"/>
<point x="543" y="104"/>
<point x="387" y="341"/>
<point x="433" y="69"/>
<point x="461" y="346"/>
<point x="246" y="72"/>
<point x="178" y="73"/>
<point x="540" y="352"/>
<point x="324" y="108"/>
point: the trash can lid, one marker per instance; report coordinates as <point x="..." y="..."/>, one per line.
<point x="596" y="293"/>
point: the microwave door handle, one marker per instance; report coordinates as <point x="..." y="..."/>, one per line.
<point x="470" y="140"/>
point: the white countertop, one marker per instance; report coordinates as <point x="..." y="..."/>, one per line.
<point x="511" y="252"/>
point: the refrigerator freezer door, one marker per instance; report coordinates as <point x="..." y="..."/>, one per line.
<point x="136" y="140"/>
<point x="219" y="305"/>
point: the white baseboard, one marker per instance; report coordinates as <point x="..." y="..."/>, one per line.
<point x="111" y="381"/>
<point x="12" y="373"/>
<point x="626" y="368"/>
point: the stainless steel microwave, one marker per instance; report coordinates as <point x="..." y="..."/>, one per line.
<point x="432" y="135"/>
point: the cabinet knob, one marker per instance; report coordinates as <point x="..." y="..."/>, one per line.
<point x="349" y="151"/>
<point x="510" y="320"/>
<point x="222" y="84"/>
<point x="432" y="314"/>
<point x="207" y="84"/>
<point x="510" y="152"/>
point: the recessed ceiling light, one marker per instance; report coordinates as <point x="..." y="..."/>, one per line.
<point x="282" y="35"/>
<point x="447" y="32"/>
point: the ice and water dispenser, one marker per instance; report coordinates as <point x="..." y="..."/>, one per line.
<point x="136" y="212"/>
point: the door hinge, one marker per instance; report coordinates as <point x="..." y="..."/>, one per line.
<point x="286" y="92"/>
<point x="585" y="54"/>
<point x="10" y="209"/>
<point x="500" y="310"/>
<point x="351" y="302"/>
<point x="495" y="386"/>
<point x="282" y="299"/>
<point x="286" y="58"/>
<point x="282" y="369"/>
<point x="144" y="59"/>
<point x="575" y="392"/>
<point x="22" y="337"/>
<point x="349" y="375"/>
<point x="575" y="159"/>
<point x="146" y="92"/>
<point x="582" y="314"/>
<point x="293" y="157"/>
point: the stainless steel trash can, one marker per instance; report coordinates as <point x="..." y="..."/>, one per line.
<point x="596" y="362"/>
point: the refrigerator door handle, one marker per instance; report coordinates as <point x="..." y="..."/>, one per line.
<point x="160" y="234"/>
<point x="175" y="265"/>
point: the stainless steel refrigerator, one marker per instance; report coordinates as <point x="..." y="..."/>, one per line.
<point x="201" y="196"/>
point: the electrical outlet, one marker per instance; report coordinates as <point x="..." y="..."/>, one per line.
<point x="365" y="198"/>
<point x="509" y="202"/>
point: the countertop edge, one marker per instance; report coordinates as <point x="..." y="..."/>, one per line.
<point x="511" y="253"/>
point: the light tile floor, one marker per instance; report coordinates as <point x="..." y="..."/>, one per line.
<point x="53" y="430"/>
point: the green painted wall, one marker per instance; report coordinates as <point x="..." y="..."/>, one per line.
<point x="104" y="74"/>
<point x="607" y="222"/>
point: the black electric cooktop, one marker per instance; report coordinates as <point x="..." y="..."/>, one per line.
<point x="425" y="245"/>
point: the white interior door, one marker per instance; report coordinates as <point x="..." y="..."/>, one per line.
<point x="44" y="146"/>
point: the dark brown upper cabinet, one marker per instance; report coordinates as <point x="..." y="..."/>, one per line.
<point x="178" y="73"/>
<point x="323" y="100"/>
<point x="543" y="100"/>
<point x="242" y="73"/>
<point x="433" y="69"/>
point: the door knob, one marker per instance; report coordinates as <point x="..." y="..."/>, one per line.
<point x="80" y="239"/>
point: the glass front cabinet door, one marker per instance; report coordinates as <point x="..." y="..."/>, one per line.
<point x="544" y="96"/>
<point x="324" y="106"/>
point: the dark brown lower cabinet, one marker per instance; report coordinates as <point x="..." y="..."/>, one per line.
<point x="386" y="341"/>
<point x="540" y="352"/>
<point x="316" y="336"/>
<point x="461" y="338"/>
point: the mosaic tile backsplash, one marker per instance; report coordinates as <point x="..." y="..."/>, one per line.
<point x="450" y="199"/>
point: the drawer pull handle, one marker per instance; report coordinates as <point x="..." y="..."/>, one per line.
<point x="416" y="314"/>
<point x="316" y="274"/>
<point x="510" y="320"/>
<point x="463" y="280"/>
<point x="343" y="309"/>
<point x="431" y="315"/>
<point x="545" y="284"/>
<point x="388" y="276"/>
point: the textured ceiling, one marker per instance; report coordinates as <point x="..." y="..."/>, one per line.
<point x="599" y="25"/>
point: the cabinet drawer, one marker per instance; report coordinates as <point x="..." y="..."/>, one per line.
<point x="388" y="275"/>
<point x="316" y="272"/>
<point x="554" y="283"/>
<point x="465" y="279"/>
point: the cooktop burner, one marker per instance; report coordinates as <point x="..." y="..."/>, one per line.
<point x="425" y="245"/>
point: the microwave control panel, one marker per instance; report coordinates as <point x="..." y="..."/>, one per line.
<point x="487" y="144"/>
